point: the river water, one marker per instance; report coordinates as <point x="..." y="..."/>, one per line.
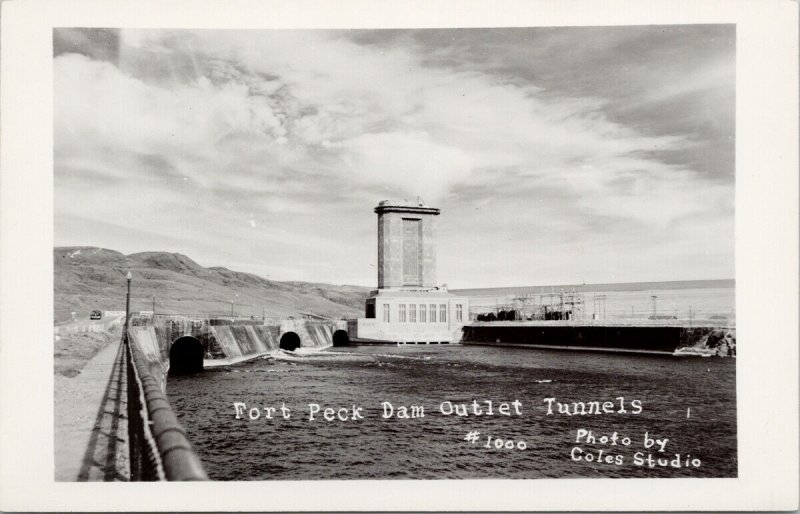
<point x="688" y="405"/>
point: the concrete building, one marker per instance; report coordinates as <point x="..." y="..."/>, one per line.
<point x="409" y="306"/>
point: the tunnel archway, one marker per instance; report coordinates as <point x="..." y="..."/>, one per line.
<point x="290" y="341"/>
<point x="340" y="338"/>
<point x="186" y="356"/>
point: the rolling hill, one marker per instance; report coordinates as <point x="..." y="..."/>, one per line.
<point x="88" y="278"/>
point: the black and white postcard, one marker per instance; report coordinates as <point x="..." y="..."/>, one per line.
<point x="440" y="258"/>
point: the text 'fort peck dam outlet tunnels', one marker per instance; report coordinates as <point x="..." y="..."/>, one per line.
<point x="407" y="308"/>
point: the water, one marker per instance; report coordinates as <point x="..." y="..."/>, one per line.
<point x="433" y="447"/>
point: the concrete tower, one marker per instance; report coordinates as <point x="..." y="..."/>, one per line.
<point x="409" y="307"/>
<point x="406" y="245"/>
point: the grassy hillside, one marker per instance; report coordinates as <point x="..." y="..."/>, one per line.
<point x="88" y="278"/>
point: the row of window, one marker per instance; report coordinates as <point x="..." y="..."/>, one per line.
<point x="412" y="313"/>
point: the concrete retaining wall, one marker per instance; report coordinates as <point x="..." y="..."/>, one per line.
<point x="624" y="337"/>
<point x="223" y="341"/>
<point x="313" y="334"/>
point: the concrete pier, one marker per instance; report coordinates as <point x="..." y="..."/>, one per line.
<point x="635" y="336"/>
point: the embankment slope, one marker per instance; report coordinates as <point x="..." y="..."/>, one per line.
<point x="88" y="278"/>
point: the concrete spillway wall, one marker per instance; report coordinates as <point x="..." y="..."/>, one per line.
<point x="143" y="339"/>
<point x="313" y="334"/>
<point x="224" y="341"/>
<point x="156" y="345"/>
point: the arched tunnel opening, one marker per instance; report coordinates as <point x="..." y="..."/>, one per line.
<point x="290" y="341"/>
<point x="340" y="338"/>
<point x="186" y="356"/>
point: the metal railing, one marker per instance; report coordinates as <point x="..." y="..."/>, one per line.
<point x="157" y="443"/>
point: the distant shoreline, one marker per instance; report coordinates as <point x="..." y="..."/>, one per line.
<point x="589" y="288"/>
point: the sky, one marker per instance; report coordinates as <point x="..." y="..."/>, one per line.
<point x="556" y="155"/>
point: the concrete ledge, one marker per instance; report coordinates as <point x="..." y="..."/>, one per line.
<point x="697" y="323"/>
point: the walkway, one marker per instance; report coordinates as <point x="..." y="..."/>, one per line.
<point x="91" y="443"/>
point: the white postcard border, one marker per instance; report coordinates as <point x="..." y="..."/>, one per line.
<point x="766" y="262"/>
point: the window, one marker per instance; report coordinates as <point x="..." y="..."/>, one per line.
<point x="443" y="313"/>
<point x="412" y="313"/>
<point x="412" y="236"/>
<point x="459" y="313"/>
<point x="432" y="311"/>
<point x="402" y="317"/>
<point x="386" y="313"/>
<point x="422" y="313"/>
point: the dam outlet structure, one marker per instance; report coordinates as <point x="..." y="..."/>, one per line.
<point x="179" y="344"/>
<point x="409" y="306"/>
<point x="159" y="346"/>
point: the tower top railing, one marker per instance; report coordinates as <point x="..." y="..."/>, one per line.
<point x="404" y="206"/>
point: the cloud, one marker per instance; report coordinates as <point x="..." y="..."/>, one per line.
<point x="272" y="141"/>
<point x="406" y="162"/>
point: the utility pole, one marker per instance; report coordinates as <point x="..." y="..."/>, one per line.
<point x="129" y="276"/>
<point x="654" y="304"/>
